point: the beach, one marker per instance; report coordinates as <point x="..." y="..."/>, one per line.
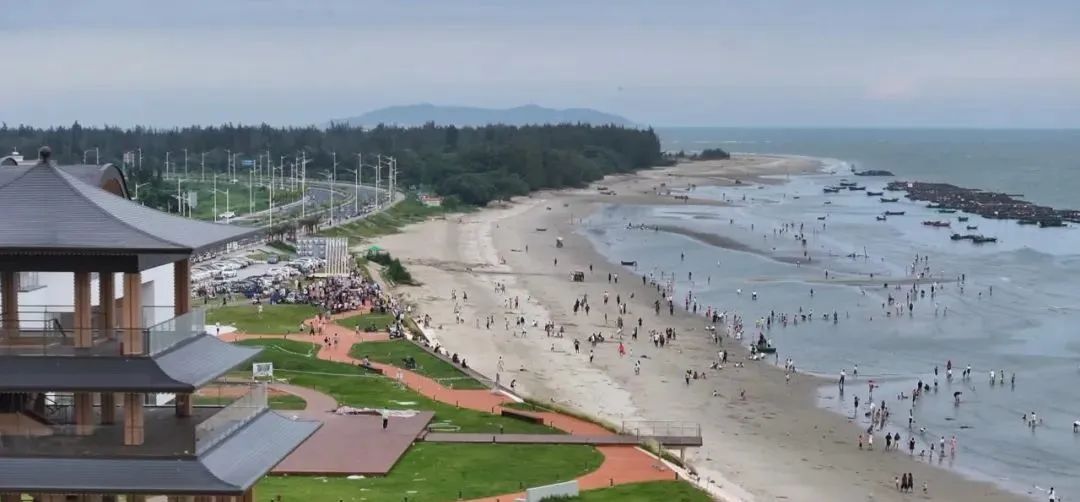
<point x="766" y="437"/>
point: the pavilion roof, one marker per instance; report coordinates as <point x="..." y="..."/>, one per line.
<point x="48" y="208"/>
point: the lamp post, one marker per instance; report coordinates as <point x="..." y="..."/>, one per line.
<point x="97" y="158"/>
<point x="185" y="162"/>
<point x="356" y="189"/>
<point x="227" y="205"/>
<point x="251" y="194"/>
<point x="167" y="166"/>
<point x="137" y="185"/>
<point x="202" y="163"/>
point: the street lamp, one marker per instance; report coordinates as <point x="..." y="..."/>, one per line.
<point x="227" y="205"/>
<point x="137" y="185"/>
<point x="356" y="189"/>
<point x="97" y="159"/>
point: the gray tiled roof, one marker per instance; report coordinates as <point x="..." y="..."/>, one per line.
<point x="46" y="208"/>
<point x="203" y="359"/>
<point x="256" y="448"/>
<point x="231" y="467"/>
<point x="183" y="368"/>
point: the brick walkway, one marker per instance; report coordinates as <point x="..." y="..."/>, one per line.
<point x="622" y="464"/>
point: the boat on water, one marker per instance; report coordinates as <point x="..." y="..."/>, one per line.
<point x="890" y="199"/>
<point x="962" y="218"/>
<point x="762" y="346"/>
<point x="821" y="217"/>
<point x="881" y="217"/>
<point x="946" y="211"/>
<point x="847" y="184"/>
<point x="1027" y="222"/>
<point x="894" y="213"/>
<point x="874" y="194"/>
<point x="854" y="188"/>
<point x="975" y="238"/>
<point x="1051" y="223"/>
<point x="934" y="206"/>
<point x="972" y="227"/>
<point x="831" y="190"/>
<point x="932" y="223"/>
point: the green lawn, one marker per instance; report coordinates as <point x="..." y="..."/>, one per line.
<point x="431" y="472"/>
<point x="394" y="351"/>
<point x="668" y="491"/>
<point x="369" y="322"/>
<point x="238" y="200"/>
<point x="408" y="211"/>
<point x="279" y="402"/>
<point x="275" y="319"/>
<point x="358" y="387"/>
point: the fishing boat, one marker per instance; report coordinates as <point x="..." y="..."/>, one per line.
<point x="854" y="188"/>
<point x="874" y="194"/>
<point x="932" y="223"/>
<point x="847" y="184"/>
<point x="1051" y="223"/>
<point x="978" y="239"/>
<point x="946" y="211"/>
<point x="972" y="227"/>
<point x="933" y="205"/>
<point x="881" y="218"/>
<point x="1027" y="222"/>
<point x="821" y="217"/>
<point x="831" y="190"/>
<point x="890" y="199"/>
<point x="961" y="218"/>
<point x="958" y="237"/>
<point x="894" y="213"/>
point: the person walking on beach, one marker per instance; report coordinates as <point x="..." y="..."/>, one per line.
<point x="842" y="375"/>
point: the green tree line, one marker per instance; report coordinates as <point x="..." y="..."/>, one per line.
<point x="472" y="164"/>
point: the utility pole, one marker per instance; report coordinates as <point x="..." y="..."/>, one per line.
<point x="251" y="194"/>
<point x="333" y="174"/>
<point x="202" y="163"/>
<point x="378" y="170"/>
<point x="215" y="197"/>
<point x="185" y="163"/>
<point x="303" y="185"/>
<point x="167" y="169"/>
<point x="228" y="168"/>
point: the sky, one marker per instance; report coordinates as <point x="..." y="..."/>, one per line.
<point x="781" y="63"/>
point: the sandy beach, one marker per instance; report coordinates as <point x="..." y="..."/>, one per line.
<point x="773" y="445"/>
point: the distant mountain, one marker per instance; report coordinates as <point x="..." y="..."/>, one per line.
<point x="414" y="115"/>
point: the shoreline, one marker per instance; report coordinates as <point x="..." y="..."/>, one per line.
<point x="777" y="443"/>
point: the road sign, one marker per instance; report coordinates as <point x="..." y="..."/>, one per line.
<point x="248" y="163"/>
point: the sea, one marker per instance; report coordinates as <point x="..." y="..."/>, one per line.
<point x="1012" y="306"/>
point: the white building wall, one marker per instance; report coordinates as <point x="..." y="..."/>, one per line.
<point x="57" y="293"/>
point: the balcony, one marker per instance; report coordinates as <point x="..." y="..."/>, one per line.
<point x="48" y="331"/>
<point x="54" y="434"/>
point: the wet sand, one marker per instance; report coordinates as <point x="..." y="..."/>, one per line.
<point x="774" y="445"/>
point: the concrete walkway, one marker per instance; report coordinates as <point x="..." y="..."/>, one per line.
<point x="622" y="463"/>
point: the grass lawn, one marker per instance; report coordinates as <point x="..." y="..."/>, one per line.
<point x="370" y="322"/>
<point x="279" y="402"/>
<point x="394" y="351"/>
<point x="358" y="387"/>
<point x="668" y="491"/>
<point x="408" y="211"/>
<point x="275" y="319"/>
<point x="431" y="472"/>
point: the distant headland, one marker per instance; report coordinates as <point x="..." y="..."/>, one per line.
<point x="420" y="114"/>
